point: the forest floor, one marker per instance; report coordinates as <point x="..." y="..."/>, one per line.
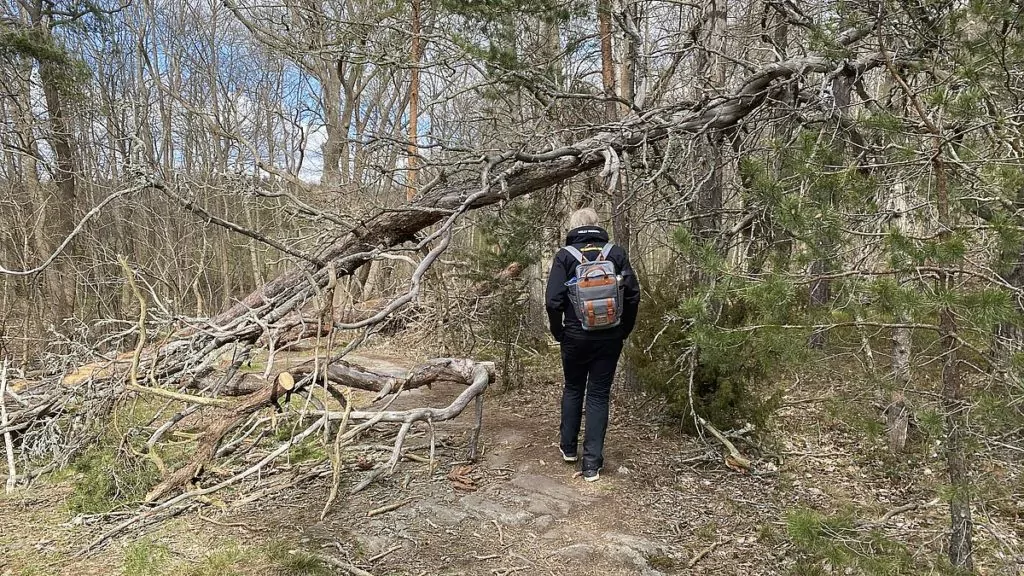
<point x="665" y="504"/>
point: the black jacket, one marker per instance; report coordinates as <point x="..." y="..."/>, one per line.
<point x="561" y="316"/>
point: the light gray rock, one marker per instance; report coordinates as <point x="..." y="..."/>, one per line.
<point x="642" y="545"/>
<point x="579" y="552"/>
<point x="631" y="561"/>
<point x="550" y="487"/>
<point x="481" y="507"/>
<point x="546" y="506"/>
<point x="542" y="523"/>
<point x="440" y="513"/>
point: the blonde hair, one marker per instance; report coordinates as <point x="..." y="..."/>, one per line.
<point x="583" y="217"/>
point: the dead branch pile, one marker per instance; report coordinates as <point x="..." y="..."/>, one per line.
<point x="235" y="439"/>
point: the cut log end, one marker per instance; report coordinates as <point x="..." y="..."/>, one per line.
<point x="286" y="381"/>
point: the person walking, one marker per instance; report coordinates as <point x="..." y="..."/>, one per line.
<point x="592" y="300"/>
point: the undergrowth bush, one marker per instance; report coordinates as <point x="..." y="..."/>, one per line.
<point x="835" y="541"/>
<point x="733" y="369"/>
<point x="509" y="244"/>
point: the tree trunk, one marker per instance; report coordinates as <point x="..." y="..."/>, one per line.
<point x="60" y="214"/>
<point x="897" y="414"/>
<point x="707" y="206"/>
<point x="330" y="94"/>
<point x="604" y="31"/>
<point x="351" y="83"/>
<point x="627" y="70"/>
<point x="620" y="189"/>
<point x="1008" y="337"/>
<point x="620" y="193"/>
<point x="953" y="403"/>
<point x="820" y="290"/>
<point x="414" y="98"/>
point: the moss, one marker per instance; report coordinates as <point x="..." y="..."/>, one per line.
<point x="310" y="449"/>
<point x="662" y="562"/>
<point x="707" y="531"/>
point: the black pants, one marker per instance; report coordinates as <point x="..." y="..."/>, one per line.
<point x="589" y="367"/>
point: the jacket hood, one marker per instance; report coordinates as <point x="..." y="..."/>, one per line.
<point x="585" y="234"/>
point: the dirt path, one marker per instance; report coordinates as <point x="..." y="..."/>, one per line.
<point x="531" y="514"/>
<point x="659" y="508"/>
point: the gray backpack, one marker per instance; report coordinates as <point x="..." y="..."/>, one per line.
<point x="595" y="291"/>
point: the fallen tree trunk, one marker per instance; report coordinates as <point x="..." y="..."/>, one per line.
<point x="292" y="330"/>
<point x="502" y="177"/>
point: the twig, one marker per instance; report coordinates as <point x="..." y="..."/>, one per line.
<point x="501" y="535"/>
<point x="737" y="459"/>
<point x="389" y="467"/>
<point x="474" y="442"/>
<point x="155" y="437"/>
<point x="507" y="571"/>
<point x="895" y="512"/>
<point x="373" y="559"/>
<point x="433" y="445"/>
<point x="316" y="472"/>
<point x="12" y="474"/>
<point x="417" y="458"/>
<point x="165" y="506"/>
<point x="702" y="457"/>
<point x="388" y="508"/>
<point x="865" y="344"/>
<point x="336" y="459"/>
<point x="242" y="525"/>
<point x="142" y="185"/>
<point x="330" y="560"/>
<point x="900" y="510"/>
<point x="179" y="396"/>
<point x="703" y="553"/>
<point x="129" y="274"/>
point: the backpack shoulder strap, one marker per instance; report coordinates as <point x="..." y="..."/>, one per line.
<point x="576" y="254"/>
<point x="605" y="251"/>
